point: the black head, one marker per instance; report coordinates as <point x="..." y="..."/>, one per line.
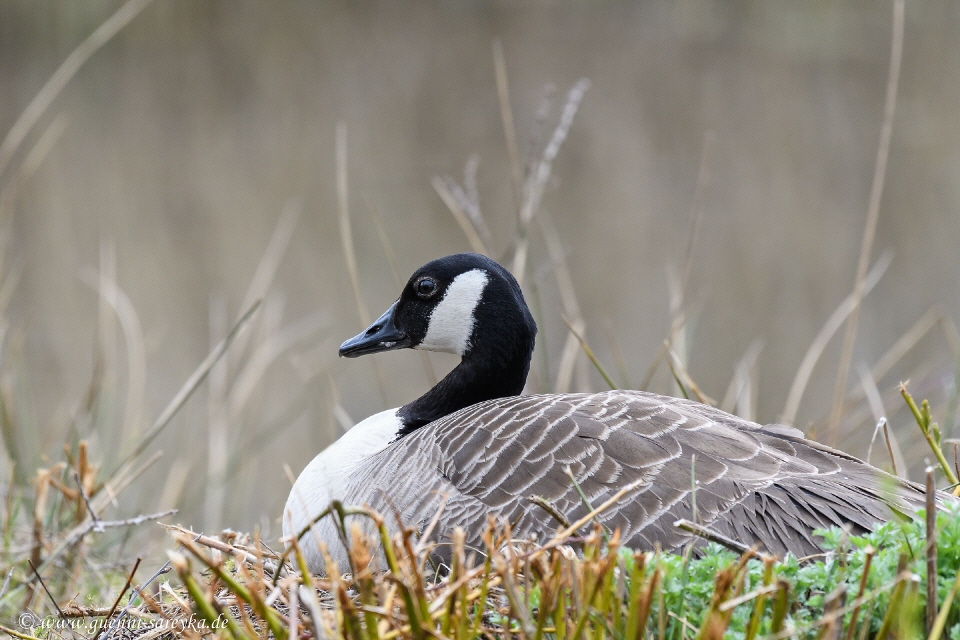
<point x="458" y="304"/>
<point x="465" y="304"/>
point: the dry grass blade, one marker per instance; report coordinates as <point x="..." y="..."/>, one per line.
<point x="392" y="259"/>
<point x="739" y="395"/>
<point x="9" y="423"/>
<point x="906" y="342"/>
<point x="877" y="408"/>
<point x="537" y="136"/>
<point x="346" y="242"/>
<point x="612" y="500"/>
<point x="424" y="541"/>
<point x="107" y="344"/>
<point x="539" y="175"/>
<point x="568" y="298"/>
<point x="194" y="381"/>
<point x="181" y="534"/>
<point x="678" y="286"/>
<point x="864" y="576"/>
<point x="116" y="603"/>
<point x="537" y="181"/>
<point x="677" y="338"/>
<point x="273" y="346"/>
<point x="273" y="254"/>
<point x="117" y="484"/>
<point x="682" y="376"/>
<point x="587" y="350"/>
<point x="86" y="501"/>
<point x="868" y="377"/>
<point x="893" y="448"/>
<point x="13" y="633"/>
<point x="896" y="601"/>
<point x="870" y="229"/>
<point x="708" y="534"/>
<point x="7" y="287"/>
<point x="33" y="160"/>
<point x="346" y="231"/>
<point x="931" y="550"/>
<point x="340" y="414"/>
<point x="733" y="603"/>
<point x="568" y="358"/>
<point x="469" y="197"/>
<point x="446" y="189"/>
<point x="830" y="327"/>
<point x="870" y="390"/>
<point x="43" y="584"/>
<point x="746" y="404"/>
<point x="941" y="621"/>
<point x="385" y="242"/>
<point x="517" y="606"/>
<point x="509" y="129"/>
<point x="269" y="263"/>
<point x="551" y="509"/>
<point x="703" y="180"/>
<point x="244" y="588"/>
<point x="952" y="335"/>
<point x="217" y="422"/>
<point x="64" y="73"/>
<point x="832" y="603"/>
<point x="121" y="304"/>
<point x="618" y="360"/>
<point x="881" y="424"/>
<point x="561" y="269"/>
<point x="150" y="600"/>
<point x="654" y="365"/>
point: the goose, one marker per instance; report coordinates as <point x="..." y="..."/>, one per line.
<point x="473" y="446"/>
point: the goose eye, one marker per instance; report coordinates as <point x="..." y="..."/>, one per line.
<point x="426" y="287"/>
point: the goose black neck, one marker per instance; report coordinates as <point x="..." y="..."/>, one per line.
<point x="494" y="368"/>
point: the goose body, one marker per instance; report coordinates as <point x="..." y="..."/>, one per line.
<point x="472" y="446"/>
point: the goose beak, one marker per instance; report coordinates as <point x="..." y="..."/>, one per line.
<point x="382" y="335"/>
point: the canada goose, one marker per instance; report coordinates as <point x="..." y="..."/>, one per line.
<point x="475" y="443"/>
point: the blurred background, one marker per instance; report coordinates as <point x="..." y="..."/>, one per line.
<point x="190" y="167"/>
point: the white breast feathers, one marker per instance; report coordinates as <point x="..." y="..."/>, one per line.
<point x="327" y="476"/>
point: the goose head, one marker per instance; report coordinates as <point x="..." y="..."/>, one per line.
<point x="468" y="305"/>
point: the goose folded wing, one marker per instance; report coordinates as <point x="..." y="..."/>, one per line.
<point x="496" y="457"/>
<point x="685" y="460"/>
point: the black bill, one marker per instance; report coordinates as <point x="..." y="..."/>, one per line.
<point x="382" y="335"/>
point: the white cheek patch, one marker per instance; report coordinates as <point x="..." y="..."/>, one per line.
<point x="451" y="323"/>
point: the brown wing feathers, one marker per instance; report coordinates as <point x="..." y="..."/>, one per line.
<point x="754" y="485"/>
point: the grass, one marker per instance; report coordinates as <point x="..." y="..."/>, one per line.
<point x="68" y="571"/>
<point x="571" y="587"/>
